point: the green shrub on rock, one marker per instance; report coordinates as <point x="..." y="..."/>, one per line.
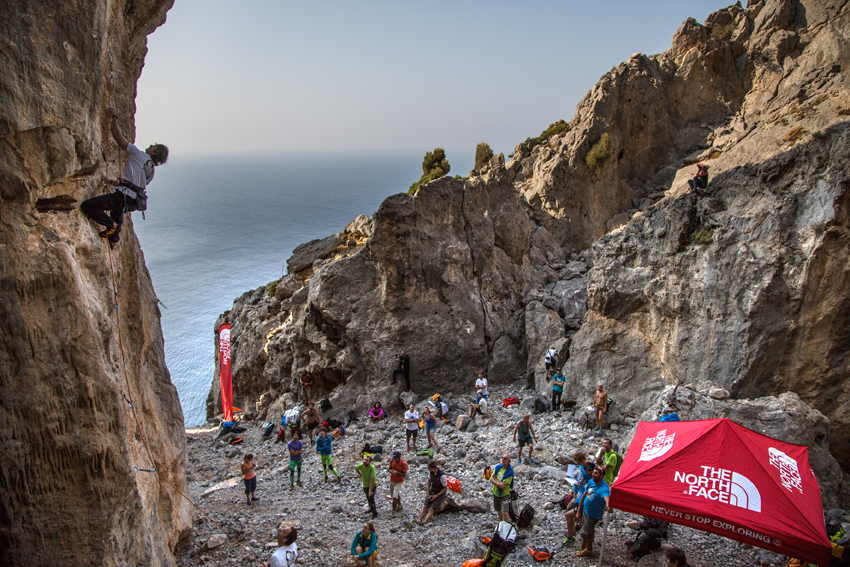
<point x="483" y="155"/>
<point x="434" y="166"/>
<point x="599" y="152"/>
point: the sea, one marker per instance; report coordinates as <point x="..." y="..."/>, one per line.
<point x="219" y="226"/>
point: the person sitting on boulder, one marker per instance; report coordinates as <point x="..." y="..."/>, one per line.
<point x="130" y="189"/>
<point x="700" y="181"/>
<point x="480" y="407"/>
<point x="435" y="489"/>
<point x="377" y="412"/>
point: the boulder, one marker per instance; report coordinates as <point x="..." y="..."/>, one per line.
<point x="462" y="422"/>
<point x="471" y="504"/>
<point x="586" y="417"/>
<point x="305" y="254"/>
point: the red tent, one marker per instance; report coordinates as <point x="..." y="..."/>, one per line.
<point x="721" y="477"/>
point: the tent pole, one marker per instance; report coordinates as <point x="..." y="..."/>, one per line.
<point x="604" y="533"/>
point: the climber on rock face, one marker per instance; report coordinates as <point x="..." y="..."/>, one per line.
<point x="700" y="181"/>
<point x="129" y="194"/>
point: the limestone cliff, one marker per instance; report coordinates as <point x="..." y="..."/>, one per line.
<point x="69" y="492"/>
<point x="741" y="285"/>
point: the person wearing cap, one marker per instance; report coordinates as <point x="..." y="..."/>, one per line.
<point x="700" y="181"/>
<point x="287" y="551"/>
<point x="398" y="472"/>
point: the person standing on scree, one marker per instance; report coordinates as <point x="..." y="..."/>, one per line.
<point x="134" y="180"/>
<point x="411" y="425"/>
<point x="481" y="388"/>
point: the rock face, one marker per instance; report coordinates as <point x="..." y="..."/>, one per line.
<point x="69" y="440"/>
<point x="639" y="280"/>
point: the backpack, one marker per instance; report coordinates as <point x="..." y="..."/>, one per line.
<point x="525" y="517"/>
<point x="235" y="440"/>
<point x="267" y="432"/>
<point x="429" y="452"/>
<point x="644" y="544"/>
<point x="510" y="401"/>
<point x="352" y="416"/>
<point x="670" y="417"/>
<point x="338" y="432"/>
<point x="325" y="405"/>
<point x="473" y="563"/>
<point x="376" y="449"/>
<point x="540" y="406"/>
<point x="502" y="543"/>
<point x="453" y="483"/>
<point x="618" y="465"/>
<point x="333" y="423"/>
<point x="488" y="472"/>
<point x="540" y="553"/>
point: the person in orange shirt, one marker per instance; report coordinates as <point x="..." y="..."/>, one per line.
<point x="249" y="477"/>
<point x="398" y="472"/>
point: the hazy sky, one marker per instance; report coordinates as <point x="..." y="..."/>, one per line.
<point x="272" y="75"/>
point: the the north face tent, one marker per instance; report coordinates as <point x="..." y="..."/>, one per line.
<point x="721" y="477"/>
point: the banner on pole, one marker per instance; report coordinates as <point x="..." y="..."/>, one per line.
<point x="224" y="371"/>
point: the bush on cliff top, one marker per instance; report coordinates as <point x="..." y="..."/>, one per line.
<point x="558" y="127"/>
<point x="434" y="166"/>
<point x="599" y="152"/>
<point x="483" y="155"/>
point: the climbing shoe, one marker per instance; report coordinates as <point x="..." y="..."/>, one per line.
<point x="584" y="553"/>
<point x="569" y="540"/>
<point x="108" y="232"/>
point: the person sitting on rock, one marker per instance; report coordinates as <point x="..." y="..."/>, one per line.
<point x="377" y="412"/>
<point x="435" y="491"/>
<point x="700" y="181"/>
<point x="310" y="418"/>
<point x="480" y="407"/>
<point x="130" y="189"/>
<point x="287" y="551"/>
<point x="526" y="435"/>
<point x="364" y="548"/>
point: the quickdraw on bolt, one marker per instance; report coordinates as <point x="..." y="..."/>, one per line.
<point x="144" y="470"/>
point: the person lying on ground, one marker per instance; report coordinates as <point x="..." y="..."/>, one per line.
<point x="364" y="547"/>
<point x="130" y="189"/>
<point x="526" y="435"/>
<point x="435" y="491"/>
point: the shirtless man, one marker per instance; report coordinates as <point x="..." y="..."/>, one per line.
<point x="600" y="405"/>
<point x="306" y="382"/>
<point x="310" y="418"/>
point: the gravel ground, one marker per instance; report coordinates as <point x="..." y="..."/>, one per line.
<point x="329" y="514"/>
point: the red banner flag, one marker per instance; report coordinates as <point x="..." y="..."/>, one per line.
<point x="224" y="371"/>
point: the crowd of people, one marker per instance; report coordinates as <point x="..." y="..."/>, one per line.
<point x="593" y="477"/>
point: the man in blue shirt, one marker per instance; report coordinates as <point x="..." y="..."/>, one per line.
<point x="590" y="510"/>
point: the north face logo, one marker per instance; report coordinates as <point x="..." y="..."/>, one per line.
<point x="656" y="446"/>
<point x="789" y="473"/>
<point x="722" y="485"/>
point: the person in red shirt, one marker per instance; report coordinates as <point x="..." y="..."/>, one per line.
<point x="249" y="477"/>
<point x="398" y="472"/>
<point x="700" y="181"/>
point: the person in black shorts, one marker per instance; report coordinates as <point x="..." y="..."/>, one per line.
<point x="310" y="418"/>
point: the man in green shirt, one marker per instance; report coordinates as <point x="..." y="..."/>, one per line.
<point x="608" y="460"/>
<point x="367" y="473"/>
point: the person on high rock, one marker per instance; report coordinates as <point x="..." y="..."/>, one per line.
<point x="130" y="189"/>
<point x="481" y="387"/>
<point x="600" y="406"/>
<point x="403" y="368"/>
<point x="310" y="418"/>
<point x="526" y="436"/>
<point x="551" y="360"/>
<point x="700" y="181"/>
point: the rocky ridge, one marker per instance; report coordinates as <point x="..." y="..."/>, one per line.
<point x="70" y="442"/>
<point x="741" y="286"/>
